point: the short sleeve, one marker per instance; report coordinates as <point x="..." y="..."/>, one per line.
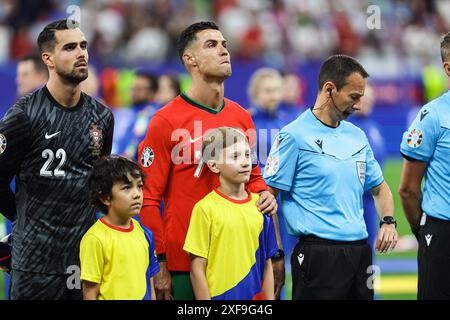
<point x="419" y="141"/>
<point x="270" y="241"/>
<point x="281" y="164"/>
<point x="374" y="175"/>
<point x="153" y="266"/>
<point x="199" y="235"/>
<point x="91" y="259"/>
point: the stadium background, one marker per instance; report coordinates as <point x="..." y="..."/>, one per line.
<point x="397" y="42"/>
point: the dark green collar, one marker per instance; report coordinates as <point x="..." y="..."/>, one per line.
<point x="202" y="106"/>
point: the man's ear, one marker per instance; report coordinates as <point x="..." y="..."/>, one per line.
<point x="48" y="59"/>
<point x="189" y="59"/>
<point x="212" y="165"/>
<point x="447" y="68"/>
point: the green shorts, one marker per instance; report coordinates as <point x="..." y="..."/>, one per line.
<point x="181" y="285"/>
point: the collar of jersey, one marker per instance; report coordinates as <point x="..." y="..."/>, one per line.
<point x="75" y="107"/>
<point x="129" y="229"/>
<point x="326" y="125"/>
<point x="202" y="106"/>
<point x="248" y="199"/>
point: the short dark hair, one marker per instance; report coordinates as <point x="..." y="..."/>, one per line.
<point x="46" y="40"/>
<point x="337" y="68"/>
<point x="445" y="47"/>
<point x="189" y="34"/>
<point x="151" y="78"/>
<point x="107" y="171"/>
<point x="38" y="63"/>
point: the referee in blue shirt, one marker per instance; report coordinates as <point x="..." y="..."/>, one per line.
<point x="321" y="165"/>
<point x="426" y="149"/>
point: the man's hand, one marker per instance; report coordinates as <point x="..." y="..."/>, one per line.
<point x="387" y="238"/>
<point x="267" y="203"/>
<point x="163" y="283"/>
<point x="278" y="276"/>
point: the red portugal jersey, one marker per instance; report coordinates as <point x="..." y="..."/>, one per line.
<point x="170" y="156"/>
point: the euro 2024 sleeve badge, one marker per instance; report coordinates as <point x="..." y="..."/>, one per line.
<point x="147" y="157"/>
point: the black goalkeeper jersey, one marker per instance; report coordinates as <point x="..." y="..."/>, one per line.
<point x="50" y="150"/>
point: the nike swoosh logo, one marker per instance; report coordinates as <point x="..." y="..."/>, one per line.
<point x="193" y="140"/>
<point x="49" y="136"/>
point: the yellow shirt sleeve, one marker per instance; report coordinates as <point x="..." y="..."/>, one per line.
<point x="91" y="259"/>
<point x="199" y="233"/>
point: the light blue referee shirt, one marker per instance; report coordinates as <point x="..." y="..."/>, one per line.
<point x="428" y="140"/>
<point x="322" y="173"/>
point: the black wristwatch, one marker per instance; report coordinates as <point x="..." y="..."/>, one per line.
<point x="278" y="255"/>
<point x="388" y="220"/>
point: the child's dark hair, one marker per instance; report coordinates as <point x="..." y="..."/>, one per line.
<point x="106" y="171"/>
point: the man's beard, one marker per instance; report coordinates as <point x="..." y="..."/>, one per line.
<point x="75" y="76"/>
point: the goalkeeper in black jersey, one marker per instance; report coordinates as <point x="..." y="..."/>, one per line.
<point x="49" y="140"/>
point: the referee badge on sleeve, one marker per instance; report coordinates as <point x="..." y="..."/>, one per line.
<point x="361" y="171"/>
<point x="2" y="143"/>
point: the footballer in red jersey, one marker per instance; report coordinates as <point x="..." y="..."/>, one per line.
<point x="170" y="154"/>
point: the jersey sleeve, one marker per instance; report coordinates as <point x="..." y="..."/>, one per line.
<point x="374" y="175"/>
<point x="270" y="241"/>
<point x="153" y="266"/>
<point x="419" y="141"/>
<point x="109" y="136"/>
<point x="281" y="164"/>
<point x="198" y="237"/>
<point x="15" y="137"/>
<point x="256" y="183"/>
<point x="155" y="161"/>
<point x="91" y="259"/>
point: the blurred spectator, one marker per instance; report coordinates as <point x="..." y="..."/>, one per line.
<point x="32" y="74"/>
<point x="134" y="121"/>
<point x="265" y="90"/>
<point x="169" y="88"/>
<point x="279" y="31"/>
<point x="292" y="94"/>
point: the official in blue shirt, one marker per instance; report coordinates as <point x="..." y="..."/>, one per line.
<point x="321" y="165"/>
<point x="426" y="149"/>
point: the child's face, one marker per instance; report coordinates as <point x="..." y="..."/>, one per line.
<point x="126" y="198"/>
<point x="236" y="164"/>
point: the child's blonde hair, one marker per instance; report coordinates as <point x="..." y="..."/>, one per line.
<point x="219" y="139"/>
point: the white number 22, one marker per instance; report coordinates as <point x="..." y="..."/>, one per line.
<point x="50" y="156"/>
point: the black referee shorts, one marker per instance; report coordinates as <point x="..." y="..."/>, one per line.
<point x="38" y="286"/>
<point x="331" y="270"/>
<point x="434" y="259"/>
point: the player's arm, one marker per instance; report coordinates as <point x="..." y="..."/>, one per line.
<point x="410" y="191"/>
<point x="384" y="203"/>
<point x="15" y="136"/>
<point x="155" y="161"/>
<point x="153" y="293"/>
<point x="109" y="137"/>
<point x="90" y="290"/>
<point x="268" y="281"/>
<point x="417" y="148"/>
<point x="198" y="277"/>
